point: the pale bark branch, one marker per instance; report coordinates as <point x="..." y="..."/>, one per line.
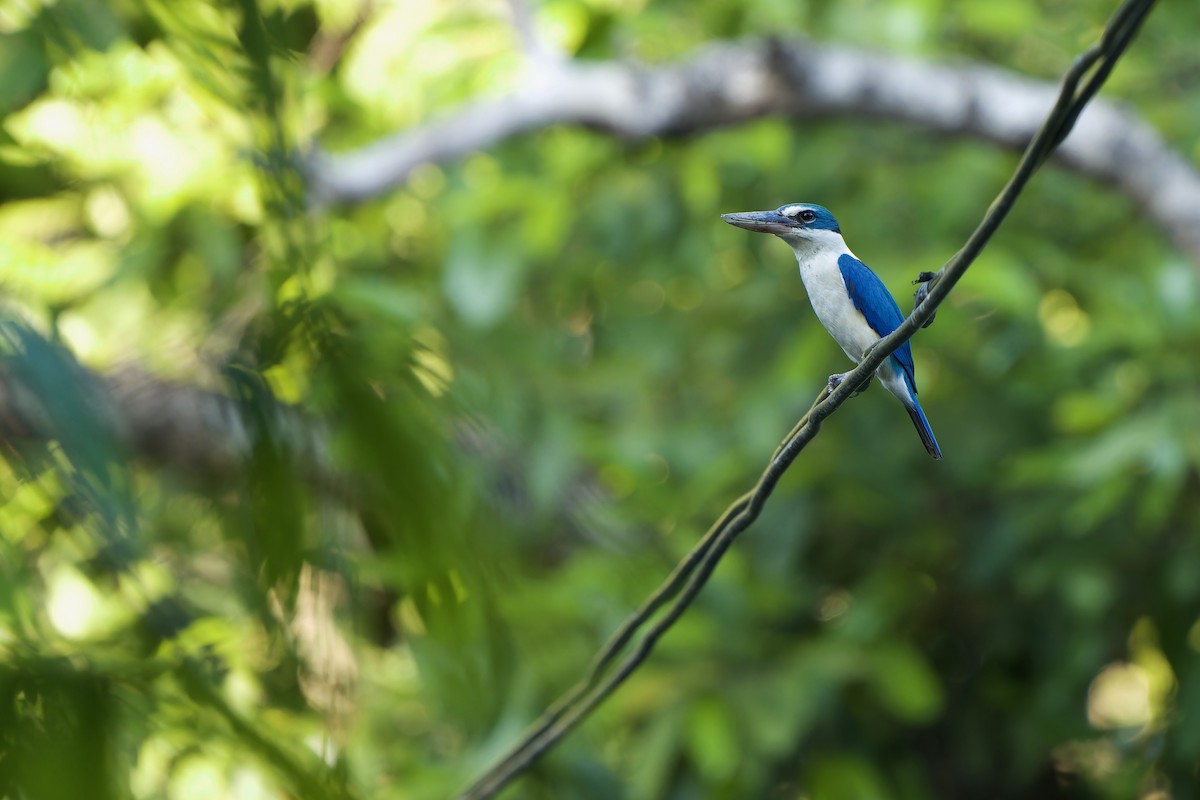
<point x="728" y="83"/>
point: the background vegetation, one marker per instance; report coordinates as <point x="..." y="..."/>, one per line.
<point x="536" y="375"/>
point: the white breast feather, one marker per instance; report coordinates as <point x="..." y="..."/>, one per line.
<point x="827" y="292"/>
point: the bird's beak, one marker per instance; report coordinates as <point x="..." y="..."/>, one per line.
<point x="761" y="221"/>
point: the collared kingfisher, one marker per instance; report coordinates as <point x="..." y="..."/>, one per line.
<point x="849" y="299"/>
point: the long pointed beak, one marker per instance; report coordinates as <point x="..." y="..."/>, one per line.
<point x="760" y="221"/>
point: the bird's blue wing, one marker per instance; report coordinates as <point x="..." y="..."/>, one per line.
<point x="876" y="303"/>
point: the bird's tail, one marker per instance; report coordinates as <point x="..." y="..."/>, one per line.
<point x="923" y="429"/>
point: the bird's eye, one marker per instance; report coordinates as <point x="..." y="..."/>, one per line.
<point x="807" y="215"/>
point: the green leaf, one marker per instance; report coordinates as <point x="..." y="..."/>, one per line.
<point x="715" y="746"/>
<point x="844" y="777"/>
<point x="481" y="283"/>
<point x="24" y="69"/>
<point x="905" y="684"/>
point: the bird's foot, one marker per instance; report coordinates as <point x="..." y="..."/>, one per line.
<point x="922" y="292"/>
<point x="836" y="380"/>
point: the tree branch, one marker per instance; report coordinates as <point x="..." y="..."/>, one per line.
<point x="729" y="83"/>
<point x="201" y="434"/>
<point x="1080" y="84"/>
<point x="209" y="437"/>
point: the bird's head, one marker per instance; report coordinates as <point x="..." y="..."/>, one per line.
<point x="797" y="223"/>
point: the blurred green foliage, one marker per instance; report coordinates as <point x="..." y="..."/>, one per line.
<point x="546" y="368"/>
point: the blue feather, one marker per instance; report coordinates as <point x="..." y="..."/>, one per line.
<point x="917" y="415"/>
<point x="876" y="303"/>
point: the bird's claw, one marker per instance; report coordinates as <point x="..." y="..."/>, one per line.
<point x="922" y="292"/>
<point x="836" y="380"/>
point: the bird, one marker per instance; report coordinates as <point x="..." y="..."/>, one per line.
<point x="850" y="300"/>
